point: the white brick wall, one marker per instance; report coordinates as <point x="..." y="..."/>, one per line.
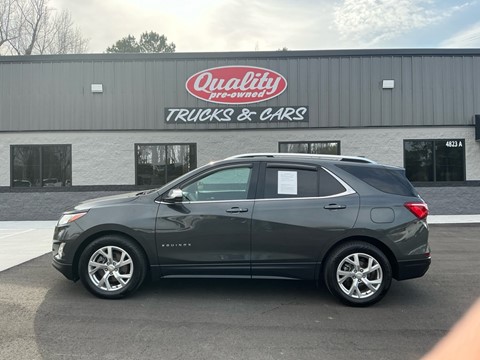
<point x="107" y="158"/>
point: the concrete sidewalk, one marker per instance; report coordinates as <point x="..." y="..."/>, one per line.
<point x="454" y="219"/>
<point x="21" y="241"/>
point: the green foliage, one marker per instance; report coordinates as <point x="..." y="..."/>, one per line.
<point x="126" y="45"/>
<point x="150" y="42"/>
<point x="154" y="43"/>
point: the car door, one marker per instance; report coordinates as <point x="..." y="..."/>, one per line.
<point x="208" y="232"/>
<point x="300" y="209"/>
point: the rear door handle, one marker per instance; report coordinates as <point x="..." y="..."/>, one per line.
<point x="236" y="210"/>
<point x="334" y="207"/>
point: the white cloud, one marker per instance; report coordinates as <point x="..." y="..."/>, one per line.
<point x="246" y="25"/>
<point x="268" y="25"/>
<point x="371" y="22"/>
<point x="468" y="38"/>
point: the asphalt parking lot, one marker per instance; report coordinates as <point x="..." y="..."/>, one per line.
<point x="45" y="316"/>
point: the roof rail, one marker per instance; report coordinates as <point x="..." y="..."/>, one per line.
<point x="360" y="159"/>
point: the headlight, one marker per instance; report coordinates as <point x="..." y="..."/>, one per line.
<point x="68" y="218"/>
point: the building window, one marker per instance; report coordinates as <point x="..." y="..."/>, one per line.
<point x="435" y="160"/>
<point x="314" y="147"/>
<point x="41" y="165"/>
<point x="157" y="164"/>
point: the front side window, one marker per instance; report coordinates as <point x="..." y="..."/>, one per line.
<point x="435" y="160"/>
<point x="158" y="164"/>
<point x="41" y="165"/>
<point x="226" y="184"/>
<point x="319" y="147"/>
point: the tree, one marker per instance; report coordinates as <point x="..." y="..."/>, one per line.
<point x="9" y="15"/>
<point x="150" y="42"/>
<point x="154" y="43"/>
<point x="59" y="36"/>
<point x="31" y="27"/>
<point x="126" y="45"/>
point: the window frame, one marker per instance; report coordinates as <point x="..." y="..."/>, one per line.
<point x="135" y="155"/>
<point x="434" y="159"/>
<point x="309" y="143"/>
<point x="40" y="164"/>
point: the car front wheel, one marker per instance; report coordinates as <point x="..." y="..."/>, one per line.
<point x="112" y="267"/>
<point x="358" y="273"/>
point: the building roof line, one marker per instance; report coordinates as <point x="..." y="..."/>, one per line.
<point x="242" y="55"/>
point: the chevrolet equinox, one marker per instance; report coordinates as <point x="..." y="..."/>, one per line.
<point x="347" y="221"/>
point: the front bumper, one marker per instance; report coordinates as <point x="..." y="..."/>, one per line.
<point x="410" y="269"/>
<point x="65" y="269"/>
<point x="68" y="236"/>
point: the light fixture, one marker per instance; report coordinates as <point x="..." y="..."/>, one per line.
<point x="97" y="88"/>
<point x="388" y="84"/>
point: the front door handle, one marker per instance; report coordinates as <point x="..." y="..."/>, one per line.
<point x="334" y="207"/>
<point x="236" y="210"/>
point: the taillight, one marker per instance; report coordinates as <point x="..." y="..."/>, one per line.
<point x="419" y="209"/>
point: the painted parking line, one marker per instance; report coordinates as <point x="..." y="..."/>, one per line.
<point x="13" y="232"/>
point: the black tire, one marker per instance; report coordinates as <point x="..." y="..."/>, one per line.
<point x="109" y="278"/>
<point x="348" y="282"/>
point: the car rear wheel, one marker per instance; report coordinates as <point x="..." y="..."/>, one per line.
<point x="358" y="273"/>
<point x="112" y="267"/>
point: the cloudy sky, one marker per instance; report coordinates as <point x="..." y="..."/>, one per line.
<point x="248" y="25"/>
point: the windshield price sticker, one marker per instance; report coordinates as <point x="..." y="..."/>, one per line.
<point x="287" y="183"/>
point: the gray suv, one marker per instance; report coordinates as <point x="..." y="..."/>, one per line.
<point x="346" y="221"/>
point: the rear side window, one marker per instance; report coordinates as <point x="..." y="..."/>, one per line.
<point x="387" y="180"/>
<point x="290" y="183"/>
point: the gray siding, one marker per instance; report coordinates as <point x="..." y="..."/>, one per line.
<point x="342" y="89"/>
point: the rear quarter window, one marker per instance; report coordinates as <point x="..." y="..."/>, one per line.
<point x="329" y="185"/>
<point x="391" y="181"/>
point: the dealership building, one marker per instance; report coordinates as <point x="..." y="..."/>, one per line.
<point x="74" y="127"/>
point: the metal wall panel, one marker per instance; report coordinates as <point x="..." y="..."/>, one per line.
<point x="341" y="90"/>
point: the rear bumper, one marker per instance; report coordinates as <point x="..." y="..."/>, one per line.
<point x="412" y="268"/>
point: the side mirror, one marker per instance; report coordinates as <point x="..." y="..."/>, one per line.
<point x="173" y="196"/>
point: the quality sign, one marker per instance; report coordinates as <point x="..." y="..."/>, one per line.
<point x="235" y="85"/>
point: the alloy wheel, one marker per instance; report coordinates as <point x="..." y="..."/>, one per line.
<point x="359" y="275"/>
<point x="110" y="268"/>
